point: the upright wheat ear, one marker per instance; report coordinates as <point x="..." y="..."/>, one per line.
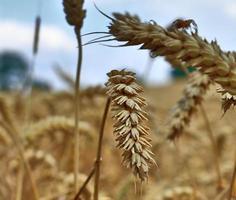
<point x="74" y="13"/>
<point x="131" y="134"/>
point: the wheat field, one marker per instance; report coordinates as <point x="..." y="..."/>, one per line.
<point x="125" y="140"/>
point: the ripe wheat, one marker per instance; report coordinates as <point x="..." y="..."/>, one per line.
<point x="184" y="109"/>
<point x="131" y="134"/>
<point x="190" y="49"/>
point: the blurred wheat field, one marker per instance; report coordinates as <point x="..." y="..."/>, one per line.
<point x="184" y="174"/>
<point x="124" y="140"/>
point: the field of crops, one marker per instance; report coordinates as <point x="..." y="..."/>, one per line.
<point x="125" y="140"/>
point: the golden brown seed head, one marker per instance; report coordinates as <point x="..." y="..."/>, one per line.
<point x="132" y="136"/>
<point x="190" y="49"/>
<point x="187" y="105"/>
<point x="74" y="13"/>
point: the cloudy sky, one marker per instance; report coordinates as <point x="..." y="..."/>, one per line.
<point x="216" y="19"/>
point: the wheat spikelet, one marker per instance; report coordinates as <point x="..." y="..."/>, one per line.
<point x="190" y="49"/>
<point x="53" y="124"/>
<point x="74" y="13"/>
<point x="228" y="100"/>
<point x="132" y="135"/>
<point x="187" y="105"/>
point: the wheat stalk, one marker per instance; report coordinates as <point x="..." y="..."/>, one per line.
<point x="75" y="16"/>
<point x="6" y="112"/>
<point x="132" y="136"/>
<point x="190" y="49"/>
<point x="184" y="109"/>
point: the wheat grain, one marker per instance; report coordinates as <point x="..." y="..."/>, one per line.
<point x="132" y="135"/>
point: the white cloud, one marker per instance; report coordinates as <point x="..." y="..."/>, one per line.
<point x="230" y="9"/>
<point x="19" y="36"/>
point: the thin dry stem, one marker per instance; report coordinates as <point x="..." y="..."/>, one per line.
<point x="99" y="150"/>
<point x="85" y="183"/>
<point x="75" y="16"/>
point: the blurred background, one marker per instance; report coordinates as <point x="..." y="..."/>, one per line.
<point x="57" y="47"/>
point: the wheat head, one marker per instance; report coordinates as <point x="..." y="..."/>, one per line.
<point x="74" y="13"/>
<point x="190" y="49"/>
<point x="184" y="109"/>
<point x="132" y="136"/>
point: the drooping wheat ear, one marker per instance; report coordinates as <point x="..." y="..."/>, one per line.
<point x="190" y="49"/>
<point x="132" y="136"/>
<point x="184" y="109"/>
<point x="75" y="16"/>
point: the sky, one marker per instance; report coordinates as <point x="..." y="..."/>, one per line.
<point x="216" y="19"/>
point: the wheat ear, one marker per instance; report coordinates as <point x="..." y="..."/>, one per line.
<point x="75" y="16"/>
<point x="190" y="49"/>
<point x="184" y="109"/>
<point x="52" y="124"/>
<point x="131" y="135"/>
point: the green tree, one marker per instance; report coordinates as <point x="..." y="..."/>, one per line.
<point x="14" y="69"/>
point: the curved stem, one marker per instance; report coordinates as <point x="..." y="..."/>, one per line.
<point x="76" y="103"/>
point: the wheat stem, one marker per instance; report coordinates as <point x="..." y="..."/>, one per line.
<point x="99" y="150"/>
<point x="85" y="184"/>
<point x="232" y="181"/>
<point x="214" y="146"/>
<point x="77" y="94"/>
<point x="20" y="179"/>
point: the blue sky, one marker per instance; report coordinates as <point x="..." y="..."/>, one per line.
<point x="215" y="19"/>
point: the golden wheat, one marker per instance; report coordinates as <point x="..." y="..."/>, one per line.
<point x="190" y="49"/>
<point x="184" y="109"/>
<point x="57" y="123"/>
<point x="131" y="134"/>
